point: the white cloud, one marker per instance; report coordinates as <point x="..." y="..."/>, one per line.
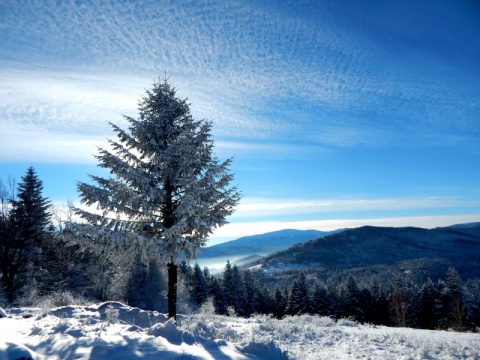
<point x="262" y="207"/>
<point x="259" y="71"/>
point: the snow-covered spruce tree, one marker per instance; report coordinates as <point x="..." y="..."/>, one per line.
<point x="167" y="191"/>
<point x="23" y="229"/>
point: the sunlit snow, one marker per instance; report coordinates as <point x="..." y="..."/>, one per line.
<point x="116" y="331"/>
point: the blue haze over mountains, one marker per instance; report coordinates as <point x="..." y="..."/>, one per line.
<point x="250" y="248"/>
<point x="417" y="252"/>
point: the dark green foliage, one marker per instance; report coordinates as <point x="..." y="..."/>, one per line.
<point x="219" y="299"/>
<point x="350" y="300"/>
<point x="144" y="288"/>
<point x="228" y="284"/>
<point x="23" y="226"/>
<point x="427" y="318"/>
<point x="264" y="301"/>
<point x="279" y="304"/>
<point x="298" y="302"/>
<point x="251" y="294"/>
<point x="451" y="302"/>
<point x="30" y="210"/>
<point x="321" y="302"/>
<point x="199" y="290"/>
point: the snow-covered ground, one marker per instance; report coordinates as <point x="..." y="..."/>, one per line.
<point x="116" y="331"/>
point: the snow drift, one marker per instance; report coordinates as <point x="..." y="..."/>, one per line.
<point x="116" y="331"/>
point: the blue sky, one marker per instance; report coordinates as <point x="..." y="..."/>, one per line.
<point x="338" y="113"/>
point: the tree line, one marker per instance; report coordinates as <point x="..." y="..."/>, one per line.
<point x="448" y="304"/>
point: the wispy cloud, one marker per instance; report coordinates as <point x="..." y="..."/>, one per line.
<point x="259" y="71"/>
<point x="263" y="207"/>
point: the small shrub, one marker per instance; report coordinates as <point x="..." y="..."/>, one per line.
<point x="111" y="314"/>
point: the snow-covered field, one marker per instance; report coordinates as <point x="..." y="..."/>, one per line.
<point x="116" y="331"/>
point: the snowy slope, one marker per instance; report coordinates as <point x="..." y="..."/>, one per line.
<point x="83" y="332"/>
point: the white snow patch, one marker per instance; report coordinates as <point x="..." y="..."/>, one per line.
<point x="83" y="332"/>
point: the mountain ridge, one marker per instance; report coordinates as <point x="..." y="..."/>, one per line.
<point x="371" y="246"/>
<point x="262" y="244"/>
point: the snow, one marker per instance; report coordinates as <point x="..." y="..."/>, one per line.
<point x="116" y="331"/>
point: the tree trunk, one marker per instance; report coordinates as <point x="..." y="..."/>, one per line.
<point x="172" y="290"/>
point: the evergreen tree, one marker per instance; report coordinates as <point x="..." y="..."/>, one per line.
<point x="166" y="193"/>
<point x="30" y="210"/>
<point x="320" y="303"/>
<point x="10" y="252"/>
<point x="298" y="301"/>
<point x="23" y="228"/>
<point x="398" y="303"/>
<point x="441" y="304"/>
<point x="251" y="294"/>
<point x="350" y="299"/>
<point x="264" y="301"/>
<point x="228" y="284"/>
<point x="471" y="301"/>
<point x="146" y="285"/>
<point x="280" y="304"/>
<point x="198" y="287"/>
<point x="208" y="279"/>
<point x="333" y="294"/>
<point x="219" y="298"/>
<point x="367" y="306"/>
<point x="427" y="318"/>
<point x="380" y="315"/>
<point x="239" y="293"/>
<point x="455" y="299"/>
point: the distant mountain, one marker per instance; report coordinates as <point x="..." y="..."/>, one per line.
<point x="262" y="244"/>
<point x="370" y="249"/>
<point x="250" y="248"/>
<point x="467" y="225"/>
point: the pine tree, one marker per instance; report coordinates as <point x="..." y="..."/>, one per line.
<point x="471" y="302"/>
<point x="239" y="293"/>
<point x="350" y="299"/>
<point x="427" y="316"/>
<point x="228" y="284"/>
<point x="280" y="303"/>
<point x="145" y="286"/>
<point x="380" y="315"/>
<point x="298" y="301"/>
<point x="31" y="209"/>
<point x="264" y="301"/>
<point x="251" y="294"/>
<point x="455" y="299"/>
<point x="166" y="193"/>
<point x="320" y="303"/>
<point x="23" y="228"/>
<point x="198" y="287"/>
<point x="219" y="298"/>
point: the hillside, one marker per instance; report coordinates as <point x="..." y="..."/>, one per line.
<point x="377" y="248"/>
<point x="262" y="244"/>
<point x="249" y="248"/>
